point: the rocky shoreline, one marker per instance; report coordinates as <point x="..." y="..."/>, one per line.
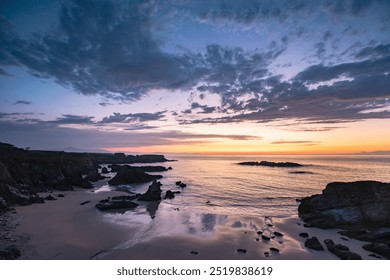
<point x="360" y="209"/>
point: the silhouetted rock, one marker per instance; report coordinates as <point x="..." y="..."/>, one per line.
<point x="178" y="183"/>
<point x="105" y="170"/>
<point x="125" y="197"/>
<point x="304" y="234"/>
<point x="110" y="204"/>
<point x="94" y="176"/>
<point x="314" y="243"/>
<point x="278" y="234"/>
<point x="271" y="164"/>
<point x="182" y="185"/>
<point x="153" y="193"/>
<point x="300" y="172"/>
<point x="10" y="253"/>
<point x="130" y="175"/>
<point x="341" y="251"/>
<point x="169" y="195"/>
<point x="50" y="197"/>
<point x="379" y="248"/>
<point x="273" y="249"/>
<point x="348" y="205"/>
<point x="151" y="168"/>
<point x="241" y="251"/>
<point x="85" y="202"/>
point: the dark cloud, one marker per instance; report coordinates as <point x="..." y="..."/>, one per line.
<point x="72" y="119"/>
<point x="128" y="118"/>
<point x="204" y="109"/>
<point x="23" y="102"/>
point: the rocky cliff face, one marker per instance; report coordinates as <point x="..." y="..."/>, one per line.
<point x="24" y="173"/>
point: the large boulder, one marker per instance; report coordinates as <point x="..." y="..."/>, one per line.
<point x="131" y="175"/>
<point x="94" y="176"/>
<point x="153" y="193"/>
<point x="348" y="205"/>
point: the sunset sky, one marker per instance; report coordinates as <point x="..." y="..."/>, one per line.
<point x="196" y="76"/>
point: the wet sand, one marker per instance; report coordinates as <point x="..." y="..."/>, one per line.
<point x="64" y="229"/>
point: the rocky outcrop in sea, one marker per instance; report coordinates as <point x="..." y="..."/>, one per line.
<point x="271" y="164"/>
<point x="361" y="208"/>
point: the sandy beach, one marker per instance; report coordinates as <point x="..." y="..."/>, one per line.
<point x="65" y="229"/>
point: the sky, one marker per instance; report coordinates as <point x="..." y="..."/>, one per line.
<point x="212" y="77"/>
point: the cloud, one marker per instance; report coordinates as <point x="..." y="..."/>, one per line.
<point x="21" y="134"/>
<point x="23" y="102"/>
<point x="128" y="118"/>
<point x="72" y="119"/>
<point x="204" y="109"/>
<point x="296" y="142"/>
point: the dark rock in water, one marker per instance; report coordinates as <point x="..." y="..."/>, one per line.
<point x="376" y="256"/>
<point x="266" y="254"/>
<point x="125" y="197"/>
<point x="115" y="167"/>
<point x="241" y="251"/>
<point x="314" y="243"/>
<point x="379" y="248"/>
<point x="194" y="253"/>
<point x="10" y="253"/>
<point x="271" y="164"/>
<point x="257" y="239"/>
<point x="278" y="234"/>
<point x="105" y="170"/>
<point x="49" y="197"/>
<point x="259" y="232"/>
<point x="307" y="225"/>
<point x="304" y="234"/>
<point x="85" y="202"/>
<point x="298" y="199"/>
<point x="151" y="168"/>
<point x="169" y="195"/>
<point x="273" y="249"/>
<point x="178" y="183"/>
<point x="341" y="251"/>
<point x="61" y="195"/>
<point x="94" y="176"/>
<point x="182" y="185"/>
<point x="169" y="168"/>
<point x="153" y="193"/>
<point x="348" y="205"/>
<point x="300" y="172"/>
<point x="130" y="175"/>
<point x="110" y="204"/>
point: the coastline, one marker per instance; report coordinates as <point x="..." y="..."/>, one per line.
<point x="64" y="229"/>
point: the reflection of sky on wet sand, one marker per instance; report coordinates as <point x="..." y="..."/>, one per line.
<point x="170" y="222"/>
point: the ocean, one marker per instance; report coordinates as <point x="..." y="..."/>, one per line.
<point x="221" y="193"/>
<point x="236" y="189"/>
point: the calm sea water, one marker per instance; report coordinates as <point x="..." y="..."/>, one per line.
<point x="259" y="190"/>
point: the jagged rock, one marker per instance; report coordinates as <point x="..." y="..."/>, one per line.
<point x="110" y="204"/>
<point x="314" y="243"/>
<point x="341" y="251"/>
<point x="94" y="176"/>
<point x="130" y="175"/>
<point x="3" y="205"/>
<point x="169" y="195"/>
<point x="10" y="253"/>
<point x="271" y="164"/>
<point x="379" y="248"/>
<point x="105" y="170"/>
<point x="348" y="205"/>
<point x="153" y="193"/>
